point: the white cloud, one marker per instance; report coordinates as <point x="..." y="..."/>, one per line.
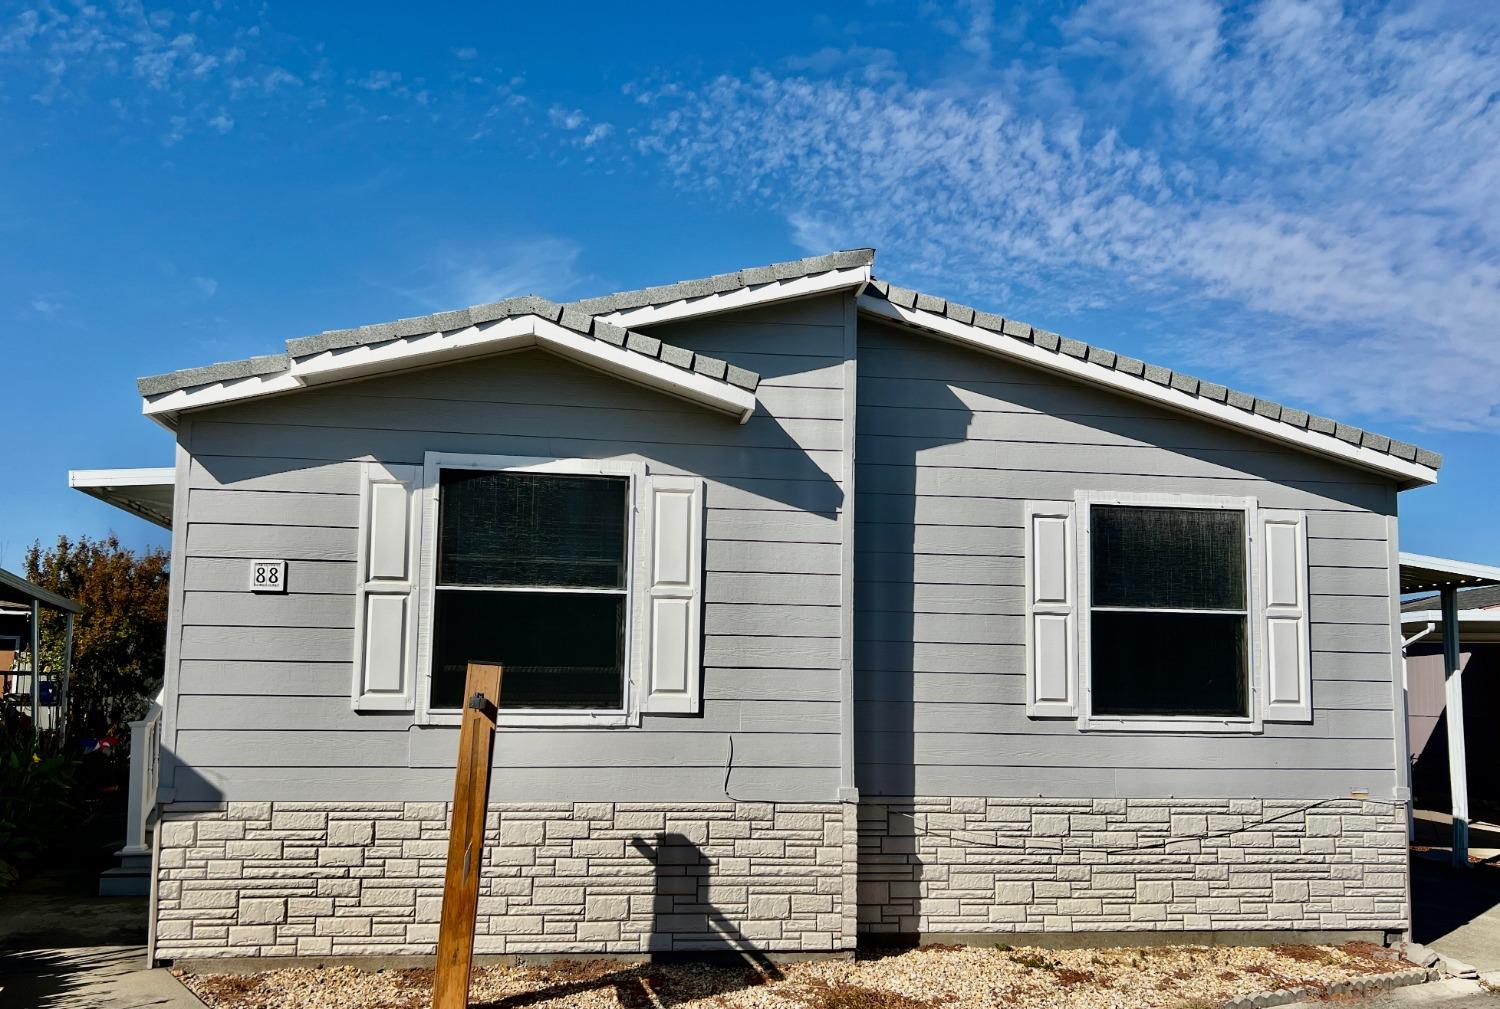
<point x="1309" y="185"/>
<point x="206" y="286"/>
<point x="542" y="265"/>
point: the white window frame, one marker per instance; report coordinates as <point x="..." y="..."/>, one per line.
<point x="629" y="712"/>
<point x="1253" y="722"/>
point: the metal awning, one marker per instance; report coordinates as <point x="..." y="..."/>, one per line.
<point x="146" y="493"/>
<point x="1420" y="573"/>
<point x="18" y="591"/>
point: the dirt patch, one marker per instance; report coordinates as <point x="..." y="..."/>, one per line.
<point x="934" y="977"/>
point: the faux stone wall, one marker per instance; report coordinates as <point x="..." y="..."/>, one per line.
<point x="261" y="878"/>
<point x="1034" y="865"/>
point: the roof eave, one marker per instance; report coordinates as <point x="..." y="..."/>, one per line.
<point x="736" y="300"/>
<point x="1407" y="473"/>
<point x="438" y="348"/>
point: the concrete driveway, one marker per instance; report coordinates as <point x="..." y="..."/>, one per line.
<point x="1457" y="911"/>
<point x="63" y="948"/>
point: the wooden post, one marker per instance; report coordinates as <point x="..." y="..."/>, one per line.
<point x="471" y="798"/>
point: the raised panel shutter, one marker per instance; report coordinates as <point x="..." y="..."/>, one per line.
<point x="1051" y="611"/>
<point x="1285" y="649"/>
<point x="673" y="566"/>
<point x="385" y="586"/>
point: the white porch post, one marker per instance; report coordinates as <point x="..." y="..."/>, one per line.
<point x="1454" y="708"/>
<point x="36" y="665"/>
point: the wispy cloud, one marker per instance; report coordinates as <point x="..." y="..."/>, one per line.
<point x="179" y="76"/>
<point x="1309" y="185"/>
<point x="544" y="265"/>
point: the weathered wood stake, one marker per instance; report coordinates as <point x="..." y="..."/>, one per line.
<point x="471" y="798"/>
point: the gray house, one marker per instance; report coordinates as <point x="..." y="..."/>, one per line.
<point x="828" y="610"/>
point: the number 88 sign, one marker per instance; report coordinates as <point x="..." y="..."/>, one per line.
<point x="268" y="576"/>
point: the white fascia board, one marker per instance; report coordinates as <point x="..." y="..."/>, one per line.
<point x="647" y="371"/>
<point x="164" y="408"/>
<point x="744" y="297"/>
<point x="496" y="337"/>
<point x="154" y="476"/>
<point x="430" y="349"/>
<point x="1410" y="473"/>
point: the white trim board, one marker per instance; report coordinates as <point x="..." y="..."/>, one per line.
<point x="502" y="336"/>
<point x="978" y="338"/>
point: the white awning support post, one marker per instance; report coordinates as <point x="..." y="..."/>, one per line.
<point x="1454" y="710"/>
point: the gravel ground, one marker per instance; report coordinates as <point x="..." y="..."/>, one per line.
<point x="933" y="977"/>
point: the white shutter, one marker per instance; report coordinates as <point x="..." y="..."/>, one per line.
<point x="385" y="588"/>
<point x="673" y="567"/>
<point x="1051" y="611"/>
<point x="1285" y="649"/>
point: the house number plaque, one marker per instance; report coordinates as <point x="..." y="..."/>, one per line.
<point x="268" y="576"/>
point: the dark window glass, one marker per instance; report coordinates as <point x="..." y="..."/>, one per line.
<point x="558" y="649"/>
<point x="503" y="533"/>
<point x="1148" y="663"/>
<point x="1144" y="659"/>
<point x="531" y="529"/>
<point x="1182" y="558"/>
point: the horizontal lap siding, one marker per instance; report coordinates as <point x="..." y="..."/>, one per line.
<point x="263" y="686"/>
<point x="950" y="446"/>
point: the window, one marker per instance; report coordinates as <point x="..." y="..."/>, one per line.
<point x="532" y="571"/>
<point x="1169" y="632"/>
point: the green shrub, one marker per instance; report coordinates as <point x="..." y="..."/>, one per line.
<point x="35" y="800"/>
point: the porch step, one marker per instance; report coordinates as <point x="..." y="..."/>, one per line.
<point x="123" y="882"/>
<point x="131" y="878"/>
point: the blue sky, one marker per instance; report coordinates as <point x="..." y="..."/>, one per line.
<point x="1297" y="198"/>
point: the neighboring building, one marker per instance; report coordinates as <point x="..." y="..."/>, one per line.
<point x="15" y="638"/>
<point x="828" y="609"/>
<point x="1479" y="660"/>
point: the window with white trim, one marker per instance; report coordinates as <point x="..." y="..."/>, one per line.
<point x="533" y="572"/>
<point x="1167" y="612"/>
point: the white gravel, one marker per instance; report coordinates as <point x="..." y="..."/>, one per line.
<point x="933" y="977"/>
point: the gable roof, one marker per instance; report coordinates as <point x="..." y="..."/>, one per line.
<point x="608" y="320"/>
<point x="514" y="324"/>
<point x="1039" y="347"/>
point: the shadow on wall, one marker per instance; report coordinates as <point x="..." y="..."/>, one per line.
<point x="686" y="926"/>
<point x="900" y="663"/>
<point x="292" y="446"/>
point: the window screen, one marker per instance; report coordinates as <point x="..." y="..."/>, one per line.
<point x="1168" y="622"/>
<point x="531" y="573"/>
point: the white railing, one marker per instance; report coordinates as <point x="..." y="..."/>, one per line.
<point x="145" y="772"/>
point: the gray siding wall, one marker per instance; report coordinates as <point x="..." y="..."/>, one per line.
<point x="950" y="444"/>
<point x="259" y="703"/>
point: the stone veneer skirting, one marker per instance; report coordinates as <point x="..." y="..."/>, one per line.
<point x="320" y="879"/>
<point x="963" y="865"/>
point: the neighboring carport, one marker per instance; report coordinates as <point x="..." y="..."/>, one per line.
<point x="17" y="591"/>
<point x="1446" y="577"/>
